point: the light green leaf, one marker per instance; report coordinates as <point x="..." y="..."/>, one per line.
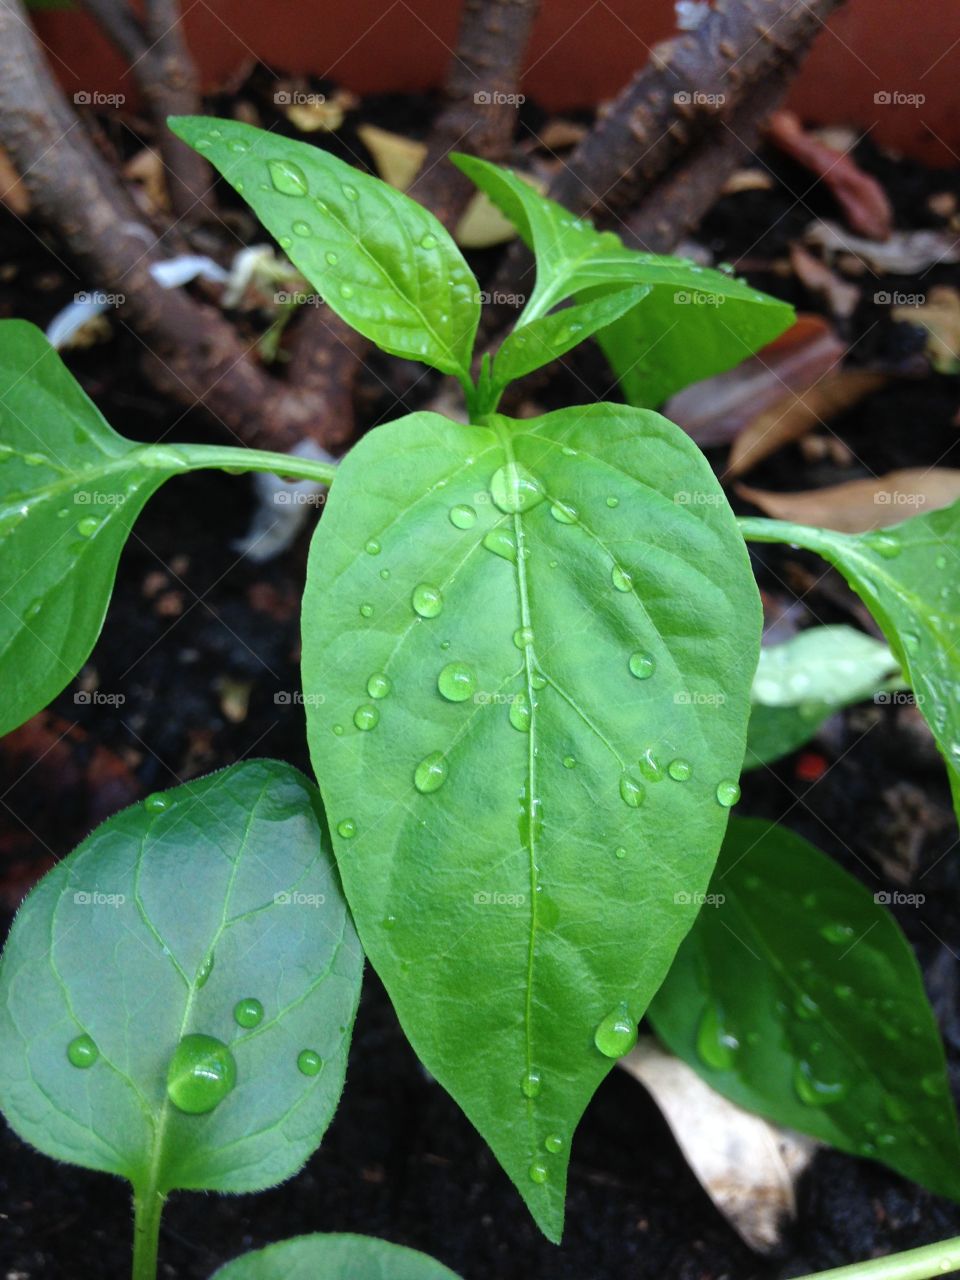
<point x="510" y="633"/>
<point x="151" y="932"/>
<point x="805" y="679"/>
<point x="381" y="261"/>
<point x="695" y="323"/>
<point x="797" y="996"/>
<point x="334" y="1257"/>
<point x="907" y="577"/>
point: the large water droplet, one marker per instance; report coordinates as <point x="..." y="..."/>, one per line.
<point x="564" y="512"/>
<point x="515" y="488"/>
<point x="530" y="1083"/>
<point x="502" y="543"/>
<point x="82" y="1052"/>
<point x="379" y="685"/>
<point x="428" y="241"/>
<point x="519" y="714"/>
<point x="301" y="228"/>
<point x="309" y="1062"/>
<point x="366" y="717"/>
<point x="347" y="828"/>
<point x="88" y="526"/>
<point x="462" y="516"/>
<point x="366" y="610"/>
<point x="650" y="767"/>
<point x="373" y="547"/>
<point x="715" y="1044"/>
<point x="426" y="600"/>
<point x="431" y="773"/>
<point x="288" y="178"/>
<point x="679" y="769"/>
<point x="538" y="1172"/>
<point x="727" y="793"/>
<point x="613" y="502"/>
<point x="248" y="1012"/>
<point x="522" y="637"/>
<point x="885" y="544"/>
<point x="202" y="1072"/>
<point x="553" y="1143"/>
<point x="812" y="1090"/>
<point x="457" y="682"/>
<point x="632" y="792"/>
<point x="156" y="803"/>
<point x="617" y="1033"/>
<point x="205" y="970"/>
<point x="349" y="192"/>
<point x="642" y="664"/>
<point x="621" y="579"/>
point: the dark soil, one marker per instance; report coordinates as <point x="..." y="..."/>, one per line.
<point x="199" y="642"/>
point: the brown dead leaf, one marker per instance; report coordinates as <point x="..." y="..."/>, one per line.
<point x="747" y="180"/>
<point x="940" y="316"/>
<point x="905" y="253"/>
<point x="859" y="505"/>
<point x="397" y="159"/>
<point x="559" y="134"/>
<point x="840" y="296"/>
<point x="794" y="415"/>
<point x="145" y="170"/>
<point x="13" y="193"/>
<point x="315" y="113"/>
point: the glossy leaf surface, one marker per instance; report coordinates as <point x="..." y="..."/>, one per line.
<point x="334" y="1257"/>
<point x="527" y="666"/>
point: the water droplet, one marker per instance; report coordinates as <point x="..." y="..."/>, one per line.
<point x="911" y="640"/>
<point x="350" y="193"/>
<point x="338" y="730"/>
<point x="642" y="664"/>
<point x="502" y="543"/>
<point x="346" y="291"/>
<point x="239" y="148"/>
<point x="205" y="970"/>
<point x="522" y="637"/>
<point x="885" y="544"/>
<point x="331" y="258"/>
<point x="620" y="853"/>
<point x="941" y="562"/>
<point x="813" y="1091"/>
<point x="520" y="714"/>
<point x="514" y="488"/>
<point x="715" y="1044"/>
<point x="288" y="178"/>
<point x="538" y="680"/>
<point x="372" y="548"/>
<point x="390" y="922"/>
<point x="82" y="1052"/>
<point x="680" y="770"/>
<point x="34" y="459"/>
<point x="564" y="512"/>
<point x="366" y="717"/>
<point x="88" y="526"/>
<point x="428" y="241"/>
<point x="727" y="793"/>
<point x="462" y="516"/>
<point x="309" y="1062"/>
<point x="613" y="502"/>
<point x="538" y="1172"/>
<point x="384" y="574"/>
<point x="426" y="600"/>
<point x="569" y="762"/>
<point x="617" y="1033"/>
<point x="366" y="610"/>
<point x="431" y="773"/>
<point x="248" y="1012"/>
<point x="631" y="791"/>
<point x="649" y="766"/>
<point x="347" y="828"/>
<point x="285" y="242"/>
<point x="842" y="991"/>
<point x="301" y="228"/>
<point x="156" y="803"/>
<point x="457" y="682"/>
<point x="806" y="1008"/>
<point x="379" y="685"/>
<point x="202" y="1072"/>
<point x="838" y="933"/>
<point x="621" y="579"/>
<point x="531" y="1083"/>
<point x="553" y="1143"/>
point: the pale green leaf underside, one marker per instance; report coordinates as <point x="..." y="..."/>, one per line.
<point x="695" y="323"/>
<point x="113" y="944"/>
<point x="496" y="908"/>
<point x="908" y="576"/>
<point x="799" y="997"/>
<point x="381" y="261"/>
<point x="334" y="1257"/>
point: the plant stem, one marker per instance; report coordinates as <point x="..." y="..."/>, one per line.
<point x="200" y="457"/>
<point x="915" y="1264"/>
<point x="147" y="1210"/>
<point x="758" y="529"/>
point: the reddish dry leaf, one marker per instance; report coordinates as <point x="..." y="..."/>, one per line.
<point x="863" y="200"/>
<point x="859" y="505"/>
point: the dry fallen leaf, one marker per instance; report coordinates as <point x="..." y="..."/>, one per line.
<point x="859" y="505"/>
<point x="747" y="180"/>
<point x="746" y="1165"/>
<point x="482" y="223"/>
<point x="13" y="193"/>
<point x="840" y="296"/>
<point x="313" y="112"/>
<point x="146" y="170"/>
<point x="904" y="254"/>
<point x="397" y="159"/>
<point x="940" y="316"/>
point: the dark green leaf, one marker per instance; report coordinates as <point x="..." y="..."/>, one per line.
<point x="515" y="630"/>
<point x="696" y="321"/>
<point x="114" y="948"/>
<point x="381" y="261"/>
<point x="334" y="1257"/>
<point x="797" y="996"/>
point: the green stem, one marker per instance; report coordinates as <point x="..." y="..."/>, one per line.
<point x="199" y="457"/>
<point x="758" y="529"/>
<point x="147" y="1210"/>
<point x="916" y="1264"/>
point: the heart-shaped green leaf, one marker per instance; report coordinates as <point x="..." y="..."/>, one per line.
<point x="381" y="261"/>
<point x="334" y="1257"/>
<point x="695" y="323"/>
<point x="528" y="649"/>
<point x="177" y="995"/>
<point x="797" y="996"/>
<point x="906" y="575"/>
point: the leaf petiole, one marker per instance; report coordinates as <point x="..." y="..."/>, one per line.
<point x="147" y="1211"/>
<point x="201" y="457"/>
<point x="915" y="1264"/>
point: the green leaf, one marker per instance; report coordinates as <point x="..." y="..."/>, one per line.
<point x="510" y="632"/>
<point x="537" y="343"/>
<point x="381" y="261"/>
<point x="804" y="680"/>
<point x="109" y="963"/>
<point x="906" y="575"/>
<point x="695" y="323"/>
<point x="797" y="996"/>
<point x="334" y="1257"/>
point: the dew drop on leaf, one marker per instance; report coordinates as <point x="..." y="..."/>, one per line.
<point x="716" y="1047"/>
<point x="288" y="178"/>
<point x="843" y="992"/>
<point x="88" y="526"/>
<point x="553" y="1143"/>
<point x="285" y="242"/>
<point x="569" y="762"/>
<point x="519" y="714"/>
<point x="632" y="792"/>
<point x="331" y="258"/>
<point x="82" y="1052"/>
<point x="522" y="637"/>
<point x="538" y="1172"/>
<point x="372" y="548"/>
<point x="301" y="228"/>
<point x="564" y="512"/>
<point x="428" y="241"/>
<point x="205" y="970"/>
<point x="502" y="543"/>
<point x="309" y="1062"/>
<point x="156" y="803"/>
<point x="620" y="853"/>
<point x="531" y="1084"/>
<point x="885" y="544"/>
<point x="613" y="502"/>
<point x="239" y="148"/>
<point x="426" y="600"/>
<point x="462" y="516"/>
<point x="366" y="717"/>
<point x="806" y="1008"/>
<point x="202" y="1072"/>
<point x="813" y="1091"/>
<point x="431" y="773"/>
<point x="642" y="664"/>
<point x="350" y="193"/>
<point x="679" y="769"/>
<point x="248" y="1012"/>
<point x="514" y="488"/>
<point x="617" y="1033"/>
<point x="338" y="730"/>
<point x="366" y="610"/>
<point x="727" y="793"/>
<point x="347" y="828"/>
<point x="620" y="578"/>
<point x="838" y="933"/>
<point x="379" y="685"/>
<point x="457" y="682"/>
<point x="346" y="290"/>
<point x="650" y="767"/>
